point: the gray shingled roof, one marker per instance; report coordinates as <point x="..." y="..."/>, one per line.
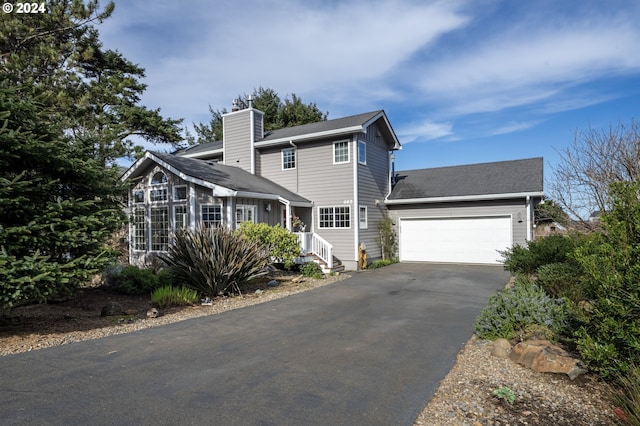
<point x="504" y="177"/>
<point x="203" y="147"/>
<point x="230" y="177"/>
<point x="320" y="126"/>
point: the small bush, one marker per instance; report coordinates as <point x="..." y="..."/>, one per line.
<point x="627" y="396"/>
<point x="527" y="260"/>
<point x="130" y="279"/>
<point x="512" y="310"/>
<point x="561" y="280"/>
<point x="379" y="264"/>
<point x="213" y="261"/>
<point x="311" y="270"/>
<point x="283" y="245"/>
<point x="173" y="296"/>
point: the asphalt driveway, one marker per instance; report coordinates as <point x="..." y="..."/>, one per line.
<point x="369" y="350"/>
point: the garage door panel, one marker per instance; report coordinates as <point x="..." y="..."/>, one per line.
<point x="455" y="240"/>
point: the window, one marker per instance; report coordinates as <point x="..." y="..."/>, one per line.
<point x="288" y="158"/>
<point x="362" y="217"/>
<point x="159" y="228"/>
<point x="245" y="214"/>
<point x="159" y="178"/>
<point x="139" y="230"/>
<point x="158" y="194"/>
<point x="362" y="152"/>
<point x="211" y="215"/>
<point x="138" y="196"/>
<point x="340" y="152"/>
<point x="180" y="192"/>
<point x="181" y="216"/>
<point x="334" y="217"/>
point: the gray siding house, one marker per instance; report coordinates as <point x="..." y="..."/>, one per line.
<point x="331" y="183"/>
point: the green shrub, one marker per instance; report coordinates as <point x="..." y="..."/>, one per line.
<point x="173" y="296"/>
<point x="561" y="280"/>
<point x="165" y="278"/>
<point x="130" y="279"/>
<point x="379" y="264"/>
<point x="213" y="261"/>
<point x="387" y="238"/>
<point x="512" y="310"/>
<point x="627" y="396"/>
<point x="283" y="245"/>
<point x="311" y="270"/>
<point x="527" y="260"/>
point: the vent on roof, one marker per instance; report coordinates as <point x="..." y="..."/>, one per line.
<point x="234" y="105"/>
<point x="212" y="162"/>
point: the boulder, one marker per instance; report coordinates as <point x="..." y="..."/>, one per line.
<point x="111" y="309"/>
<point x="545" y="357"/>
<point x="153" y="313"/>
<point x="501" y="348"/>
<point x="273" y="283"/>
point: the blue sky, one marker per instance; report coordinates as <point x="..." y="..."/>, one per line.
<point x="461" y="81"/>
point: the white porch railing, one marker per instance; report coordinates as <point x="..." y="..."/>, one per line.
<point x="312" y="243"/>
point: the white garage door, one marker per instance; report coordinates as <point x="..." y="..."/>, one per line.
<point x="455" y="240"/>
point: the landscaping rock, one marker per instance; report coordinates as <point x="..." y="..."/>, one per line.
<point x="544" y="357"/>
<point x="298" y="279"/>
<point x="273" y="283"/>
<point x="153" y="313"/>
<point x="111" y="309"/>
<point x="501" y="348"/>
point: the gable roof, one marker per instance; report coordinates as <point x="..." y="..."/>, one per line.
<point x="335" y="127"/>
<point x="503" y="179"/>
<point x="223" y="180"/>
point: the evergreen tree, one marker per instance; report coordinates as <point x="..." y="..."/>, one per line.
<point x="68" y="109"/>
<point x="277" y="114"/>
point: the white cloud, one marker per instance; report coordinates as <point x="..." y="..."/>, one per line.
<point x="529" y="63"/>
<point x="514" y="126"/>
<point x="423" y="131"/>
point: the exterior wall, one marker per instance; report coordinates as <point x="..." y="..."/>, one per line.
<point x="318" y="179"/>
<point x="197" y="196"/>
<point x="516" y="208"/>
<point x="240" y="130"/>
<point x="373" y="186"/>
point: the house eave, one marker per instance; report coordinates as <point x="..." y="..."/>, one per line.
<point x="317" y="135"/>
<point x="203" y="153"/>
<point x="484" y="197"/>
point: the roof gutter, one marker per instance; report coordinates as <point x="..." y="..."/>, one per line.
<point x="203" y="153"/>
<point x="317" y="135"/>
<point x="463" y="198"/>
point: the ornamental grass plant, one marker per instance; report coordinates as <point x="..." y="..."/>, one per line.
<point x="213" y="261"/>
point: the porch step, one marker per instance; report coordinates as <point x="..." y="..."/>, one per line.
<point x="337" y="264"/>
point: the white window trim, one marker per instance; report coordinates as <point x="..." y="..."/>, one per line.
<point x="145" y="226"/>
<point x="156" y="188"/>
<point x="348" y="160"/>
<point x="175" y="221"/>
<point x="365" y="224"/>
<point x="155" y="172"/>
<point x="362" y="143"/>
<point x="150" y="243"/>
<point x="175" y="198"/>
<point x="245" y="208"/>
<point x="334" y="217"/>
<point x="295" y="158"/>
<point x="212" y="205"/>
<point x="133" y="197"/>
